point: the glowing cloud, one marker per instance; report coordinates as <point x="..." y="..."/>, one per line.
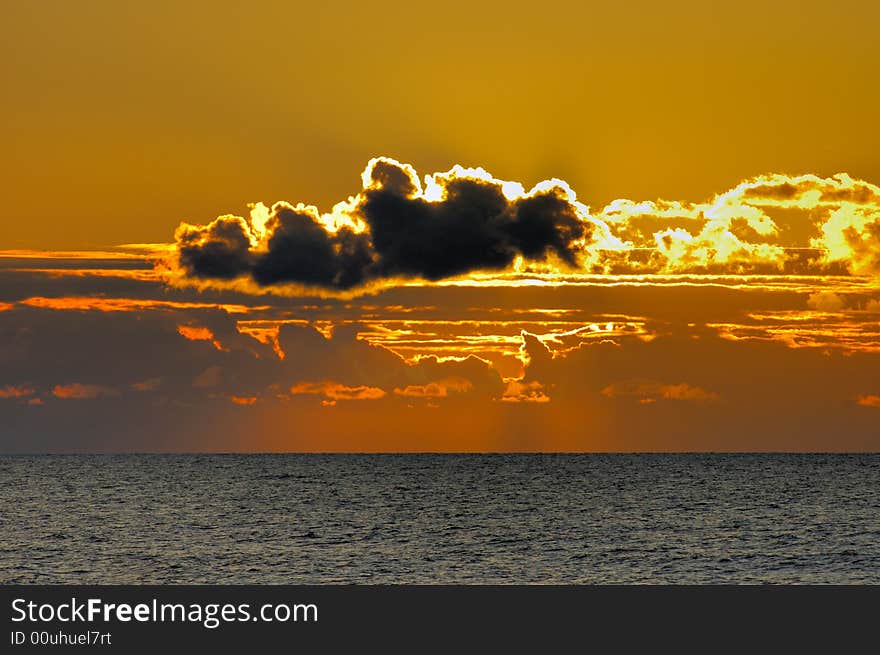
<point x="438" y="389"/>
<point x="825" y="301"/>
<point x="852" y="234"/>
<point x="518" y="391"/>
<point x="78" y="391"/>
<point x="465" y="223"/>
<point x="457" y="223"/>
<point x="90" y="303"/>
<point x="333" y="391"/>
<point x="194" y="333"/>
<point x="648" y="391"/>
<point x="10" y="391"/>
<point x="199" y="333"/>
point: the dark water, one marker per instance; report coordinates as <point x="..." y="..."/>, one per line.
<point x="435" y="518"/>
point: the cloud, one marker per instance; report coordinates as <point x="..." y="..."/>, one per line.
<point x="300" y="249"/>
<point x="868" y="400"/>
<point x="825" y="301"/>
<point x="648" y="391"/>
<point x="464" y="221"/>
<point x="147" y="385"/>
<point x="220" y="249"/>
<point x="437" y="389"/>
<point x="44" y="348"/>
<point x="79" y="391"/>
<point x="208" y="378"/>
<point x="852" y="234"/>
<point x="518" y="391"/>
<point x="78" y="303"/>
<point x="11" y="391"/>
<point x="573" y="343"/>
<point x="808" y="190"/>
<point x="195" y="333"/>
<point x="334" y="391"/>
<point x="345" y="358"/>
<point x="474" y="226"/>
<point x="771" y="224"/>
<point x="199" y="333"/>
<point x="460" y="222"/>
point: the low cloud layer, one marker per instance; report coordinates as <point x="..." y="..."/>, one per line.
<point x="82" y="379"/>
<point x="465" y="221"/>
<point x="90" y="362"/>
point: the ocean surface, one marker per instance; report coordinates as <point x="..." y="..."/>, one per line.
<point x="291" y="519"/>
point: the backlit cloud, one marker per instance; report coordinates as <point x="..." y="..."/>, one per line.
<point x="333" y="391"/>
<point x="825" y="301"/>
<point x="199" y="333"/>
<point x="395" y="228"/>
<point x="518" y="391"/>
<point x="465" y="222"/>
<point x="438" y="389"/>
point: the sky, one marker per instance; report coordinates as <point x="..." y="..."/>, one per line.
<point x="468" y="227"/>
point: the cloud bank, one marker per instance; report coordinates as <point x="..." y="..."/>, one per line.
<point x="465" y="221"/>
<point x="75" y="378"/>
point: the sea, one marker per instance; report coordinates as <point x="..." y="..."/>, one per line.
<point x="426" y="519"/>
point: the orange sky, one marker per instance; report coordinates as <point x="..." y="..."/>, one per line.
<point x="662" y="232"/>
<point x="121" y="121"/>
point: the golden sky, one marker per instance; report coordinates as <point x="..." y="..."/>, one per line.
<point x="624" y="227"/>
<point x="120" y="120"/>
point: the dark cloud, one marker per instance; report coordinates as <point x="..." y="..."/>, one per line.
<point x="346" y="359"/>
<point x="778" y="191"/>
<point x="475" y="227"/>
<point x="693" y="390"/>
<point x="299" y="249"/>
<point x="860" y="194"/>
<point x="219" y="250"/>
<point x="394" y="231"/>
